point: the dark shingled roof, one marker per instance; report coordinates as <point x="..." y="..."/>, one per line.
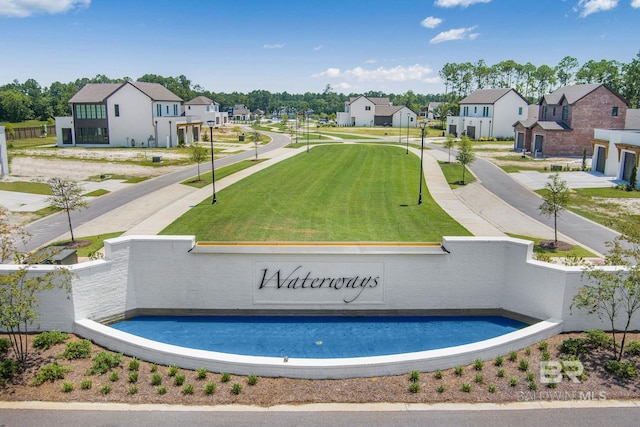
<point x="572" y="93"/>
<point x="99" y="92"/>
<point x="199" y="100"/>
<point x="486" y="96"/>
<point x="387" y="110"/>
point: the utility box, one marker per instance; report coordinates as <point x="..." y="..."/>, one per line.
<point x="156" y="159"/>
<point x="241" y="137"/>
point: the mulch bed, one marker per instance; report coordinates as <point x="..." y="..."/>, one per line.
<point x="598" y="385"/>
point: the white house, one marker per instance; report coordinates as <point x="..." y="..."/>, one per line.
<point x="204" y="109"/>
<point x="126" y="114"/>
<point x="489" y="113"/>
<point x="616" y="152"/>
<point x="366" y="111"/>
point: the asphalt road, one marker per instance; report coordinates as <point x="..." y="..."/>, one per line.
<point x="497" y="181"/>
<point x="569" y="417"/>
<point x="53" y="226"/>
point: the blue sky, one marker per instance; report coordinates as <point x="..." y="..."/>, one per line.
<point x="301" y="46"/>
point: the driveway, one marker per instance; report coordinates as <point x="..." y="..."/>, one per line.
<point x="536" y="180"/>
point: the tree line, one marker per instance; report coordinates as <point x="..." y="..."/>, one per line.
<point x="29" y="100"/>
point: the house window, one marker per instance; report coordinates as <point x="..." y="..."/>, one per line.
<point x="519" y="111"/>
<point x="475" y="110"/>
<point x="485" y="111"/>
<point x="158" y="110"/>
<point x="367" y="108"/>
<point x="465" y="111"/>
<point x="565" y="112"/>
<point x="544" y="112"/>
<point x="91" y="111"/>
<point x="554" y="111"/>
<point x="175" y="109"/>
<point x="614" y="111"/>
<point x="167" y="110"/>
<point x="116" y="108"/>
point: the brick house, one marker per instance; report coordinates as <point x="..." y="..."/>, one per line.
<point x="567" y="118"/>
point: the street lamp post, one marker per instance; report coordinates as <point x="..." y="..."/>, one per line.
<point x="422" y="125"/>
<point x="407" y="133"/>
<point x="213" y="174"/>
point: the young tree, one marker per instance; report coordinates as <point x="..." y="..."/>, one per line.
<point x="554" y="200"/>
<point x="449" y="143"/>
<point x="256" y="138"/>
<point x="466" y="155"/>
<point x="20" y="289"/>
<point x="197" y="155"/>
<point x="67" y="195"/>
<point x="614" y="293"/>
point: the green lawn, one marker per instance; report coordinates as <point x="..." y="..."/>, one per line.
<point x="576" y="250"/>
<point x="97" y="242"/>
<point x="205" y="178"/>
<point x="333" y="193"/>
<point x="453" y="174"/>
<point x="27" y="187"/>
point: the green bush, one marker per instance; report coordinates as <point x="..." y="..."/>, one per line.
<point x="479" y="378"/>
<point x="513" y="356"/>
<point x="546" y="356"/>
<point x="133" y="377"/>
<point x="8" y="369"/>
<point x="598" y="338"/>
<point x="178" y="380"/>
<point x="86" y="384"/>
<point x="253" y="380"/>
<point x="114" y="376"/>
<point x="478" y="364"/>
<point x="201" y="373"/>
<point x="172" y="371"/>
<point x="414" y="387"/>
<point x="633" y="348"/>
<point x="154" y="368"/>
<point x="48" y="339"/>
<point x="187" y="389"/>
<point x="67" y="387"/>
<point x="513" y="381"/>
<point x="533" y="386"/>
<point x="438" y="374"/>
<point x="440" y="388"/>
<point x="624" y="370"/>
<point x="491" y="388"/>
<point x="103" y="362"/>
<point x="77" y="350"/>
<point x="530" y="376"/>
<point x="523" y="365"/>
<point x="236" y="388"/>
<point x="498" y="361"/>
<point x="161" y="389"/>
<point x="458" y="370"/>
<point x="156" y="379"/>
<point x="105" y="389"/>
<point x="210" y="388"/>
<point x="50" y="372"/>
<point x="133" y="389"/>
<point x="414" y="376"/>
<point x="500" y="373"/>
<point x="466" y="387"/>
<point x="573" y="346"/>
<point x="5" y="345"/>
<point x="225" y="377"/>
<point x="543" y="346"/>
<point x="134" y="364"/>
<point x="527" y="352"/>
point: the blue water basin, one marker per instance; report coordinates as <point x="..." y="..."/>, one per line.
<point x="318" y="337"/>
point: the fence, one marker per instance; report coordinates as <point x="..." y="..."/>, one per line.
<point x="29" y="132"/>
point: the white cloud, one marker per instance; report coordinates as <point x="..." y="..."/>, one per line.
<point x="432" y="22"/>
<point x="24" y="8"/>
<point x="588" y="7"/>
<point x="381" y="74"/>
<point x="462" y="3"/>
<point x="455" y="34"/>
<point x="635" y="3"/>
<point x="344" y="86"/>
<point x="373" y="61"/>
<point x="274" y="46"/>
<point x="317" y="48"/>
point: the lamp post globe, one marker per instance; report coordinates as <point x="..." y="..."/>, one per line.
<point x="210" y="123"/>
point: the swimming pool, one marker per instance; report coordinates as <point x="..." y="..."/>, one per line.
<point x="318" y="337"/>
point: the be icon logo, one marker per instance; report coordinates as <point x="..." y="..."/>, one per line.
<point x="552" y="371"/>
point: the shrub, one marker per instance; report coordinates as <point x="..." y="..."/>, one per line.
<point x="552" y="384"/>
<point x="440" y="388"/>
<point x="114" y="376"/>
<point x="86" y="384"/>
<point x="133" y="389"/>
<point x="527" y="351"/>
<point x="543" y="346"/>
<point x="134" y="364"/>
<point x="598" y="338"/>
<point x="172" y="371"/>
<point x="48" y="339"/>
<point x="523" y="365"/>
<point x="67" y="387"/>
<point x="201" y="373"/>
<point x="438" y="374"/>
<point x="253" y="380"/>
<point x="625" y="370"/>
<point x="633" y="349"/>
<point x="236" y="388"/>
<point x="187" y="389"/>
<point x="500" y="373"/>
<point x="8" y="369"/>
<point x="545" y="356"/>
<point x="156" y="379"/>
<point x="530" y="376"/>
<point x="466" y="387"/>
<point x="77" y="350"/>
<point x="161" y="390"/>
<point x="105" y="389"/>
<point x="533" y="386"/>
<point x="154" y="368"/>
<point x="178" y="380"/>
<point x="498" y="361"/>
<point x="491" y="388"/>
<point x="414" y="387"/>
<point x="513" y="356"/>
<point x="479" y="378"/>
<point x="573" y="346"/>
<point x="458" y="370"/>
<point x="478" y="364"/>
<point x="133" y="377"/>
<point x="513" y="381"/>
<point x="414" y="376"/>
<point x="225" y="377"/>
<point x="5" y="345"/>
<point x="50" y="372"/>
<point x="103" y="362"/>
<point x="210" y="388"/>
